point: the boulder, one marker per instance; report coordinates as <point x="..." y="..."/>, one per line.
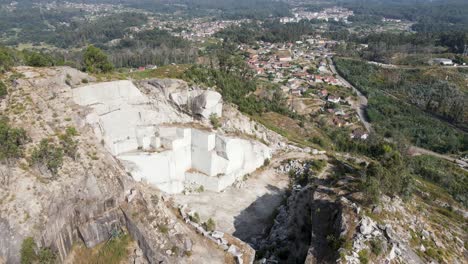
<point x="367" y="226"/>
<point x="207" y="104"/>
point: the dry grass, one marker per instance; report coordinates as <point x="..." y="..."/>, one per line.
<point x="113" y="251"/>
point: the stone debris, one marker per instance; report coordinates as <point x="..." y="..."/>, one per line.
<point x="217" y="237"/>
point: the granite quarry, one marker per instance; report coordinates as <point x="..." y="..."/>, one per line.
<point x="168" y="155"/>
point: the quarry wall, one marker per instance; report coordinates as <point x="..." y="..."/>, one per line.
<point x="168" y="156"/>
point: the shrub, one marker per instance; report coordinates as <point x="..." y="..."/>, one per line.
<point x="48" y="154"/>
<point x="96" y="61"/>
<point x="214" y="120"/>
<point x="3" y="89"/>
<point x="363" y="256"/>
<point x="69" y="145"/>
<point x="210" y="225"/>
<point x="376" y="246"/>
<point x="163" y="228"/>
<point x="28" y="253"/>
<point x="11" y="140"/>
<point x="195" y="218"/>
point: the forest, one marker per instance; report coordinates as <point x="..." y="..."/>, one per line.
<point x="430" y="16"/>
<point x="417" y="106"/>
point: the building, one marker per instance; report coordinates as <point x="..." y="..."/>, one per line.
<point x="359" y="134"/>
<point x="333" y="99"/>
<point x="442" y="61"/>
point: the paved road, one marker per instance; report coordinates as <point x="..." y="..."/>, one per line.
<point x="361" y="105"/>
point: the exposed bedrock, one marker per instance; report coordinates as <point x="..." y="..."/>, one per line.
<point x="302" y="229"/>
<point x="136" y="130"/>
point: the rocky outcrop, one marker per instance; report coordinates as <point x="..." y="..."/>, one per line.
<point x="289" y="238"/>
<point x="194" y="101"/>
<point x="85" y="201"/>
<point x="89" y="222"/>
<point x="181" y="154"/>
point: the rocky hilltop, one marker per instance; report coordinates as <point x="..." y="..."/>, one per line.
<point x="96" y="190"/>
<point x="187" y="178"/>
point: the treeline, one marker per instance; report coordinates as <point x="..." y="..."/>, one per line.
<point x="393" y="172"/>
<point x="430" y="16"/>
<point x="98" y="32"/>
<point x="157" y="47"/>
<point x="228" y="9"/>
<point x="11" y="57"/>
<point x="411" y="104"/>
<point x="385" y="46"/>
<point x="269" y="31"/>
<point x="234" y="80"/>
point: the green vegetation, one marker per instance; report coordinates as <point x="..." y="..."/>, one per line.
<point x="168" y="71"/>
<point x="430" y="16"/>
<point x="416" y="105"/>
<point x="96" y="61"/>
<point x="115" y="250"/>
<point x="69" y="145"/>
<point x="30" y="254"/>
<point x="234" y="80"/>
<point x="11" y="57"/>
<point x="210" y="225"/>
<point x="443" y="173"/>
<point x="363" y="256"/>
<point x="195" y="218"/>
<point x="214" y="120"/>
<point x="3" y="89"/>
<point x="271" y="31"/>
<point x="11" y="140"/>
<point x="48" y="155"/>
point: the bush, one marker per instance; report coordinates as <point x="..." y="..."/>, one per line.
<point x="214" y="120"/>
<point x="11" y="141"/>
<point x="69" y="145"/>
<point x="3" y="90"/>
<point x="363" y="256"/>
<point x="210" y="225"/>
<point x="96" y="61"/>
<point x="376" y="246"/>
<point x="195" y="218"/>
<point x="48" y="154"/>
<point x="28" y="253"/>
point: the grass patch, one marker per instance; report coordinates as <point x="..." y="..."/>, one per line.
<point x="169" y="71"/>
<point x="113" y="251"/>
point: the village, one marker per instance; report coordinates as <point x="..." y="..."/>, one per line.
<point x="303" y="73"/>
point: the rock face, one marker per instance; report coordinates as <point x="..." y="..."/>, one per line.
<point x="194" y="101"/>
<point x="85" y="201"/>
<point x="167" y="156"/>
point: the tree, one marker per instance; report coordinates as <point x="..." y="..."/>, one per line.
<point x="38" y="60"/>
<point x="49" y="155"/>
<point x="96" y="61"/>
<point x="11" y="145"/>
<point x="6" y="59"/>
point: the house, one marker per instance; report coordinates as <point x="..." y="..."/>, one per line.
<point x="323" y="93"/>
<point x="296" y="92"/>
<point x="442" y="61"/>
<point x="340" y="113"/>
<point x="283" y="56"/>
<point x="151" y="67"/>
<point x="333" y="99"/>
<point x="359" y="134"/>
